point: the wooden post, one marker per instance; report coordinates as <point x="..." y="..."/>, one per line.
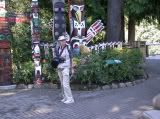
<point x="147" y="51"/>
<point x="59" y="25"/>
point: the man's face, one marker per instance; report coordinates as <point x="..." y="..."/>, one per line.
<point x="62" y="42"/>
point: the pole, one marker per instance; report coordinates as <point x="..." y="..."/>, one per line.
<point x="35" y="33"/>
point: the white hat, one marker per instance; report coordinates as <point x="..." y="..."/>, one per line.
<point x="61" y="38"/>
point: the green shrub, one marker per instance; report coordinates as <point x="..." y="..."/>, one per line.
<point x="23" y="73"/>
<point x="91" y="71"/>
<point x="95" y="70"/>
<point x="48" y="73"/>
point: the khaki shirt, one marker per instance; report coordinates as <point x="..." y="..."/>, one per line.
<point x="66" y="56"/>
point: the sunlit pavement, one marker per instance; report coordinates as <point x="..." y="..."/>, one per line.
<point x="154" y="57"/>
<point x="123" y="103"/>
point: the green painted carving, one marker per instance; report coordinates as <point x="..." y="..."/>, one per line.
<point x="9" y="37"/>
<point x="2" y="37"/>
<point x="36" y="22"/>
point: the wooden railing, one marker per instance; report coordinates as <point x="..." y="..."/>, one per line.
<point x="102" y="46"/>
<point x="136" y="44"/>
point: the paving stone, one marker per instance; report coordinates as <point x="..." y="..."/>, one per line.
<point x="114" y="86"/>
<point x="121" y="103"/>
<point x="138" y="81"/>
<point x="122" y="85"/>
<point x="21" y="86"/>
<point x="129" y="84"/>
<point x="8" y="87"/>
<point x="106" y="87"/>
<point x="143" y="80"/>
<point x="38" y="86"/>
<point x="30" y="86"/>
<point x="134" y="83"/>
<point x="105" y="104"/>
<point x="53" y="86"/>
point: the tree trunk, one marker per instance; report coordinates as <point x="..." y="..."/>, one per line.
<point x="114" y="20"/>
<point x="131" y="29"/>
<point x="122" y="38"/>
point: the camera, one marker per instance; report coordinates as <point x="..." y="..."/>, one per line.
<point x="56" y="61"/>
<point x="61" y="60"/>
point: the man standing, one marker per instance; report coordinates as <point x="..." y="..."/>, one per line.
<point x="64" y="69"/>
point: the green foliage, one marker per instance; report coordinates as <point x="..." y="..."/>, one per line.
<point x="149" y="33"/>
<point x="92" y="71"/>
<point x="45" y="13"/>
<point x="47" y="4"/>
<point x="131" y="58"/>
<point x="135" y="6"/>
<point x="142" y="9"/>
<point x="23" y="73"/>
<point x="17" y="6"/>
<point x="21" y="40"/>
<point x="154" y="9"/>
<point x="48" y="73"/>
<point x="46" y="33"/>
<point x="95" y="70"/>
<point x="100" y="37"/>
<point x="21" y="43"/>
<point x="23" y="67"/>
<point x="94" y="10"/>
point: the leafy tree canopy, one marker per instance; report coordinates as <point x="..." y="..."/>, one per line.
<point x="142" y="9"/>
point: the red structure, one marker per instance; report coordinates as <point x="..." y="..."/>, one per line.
<point x="5" y="63"/>
<point x="5" y="54"/>
<point x="5" y="45"/>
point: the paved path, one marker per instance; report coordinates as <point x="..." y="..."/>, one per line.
<point x="124" y="103"/>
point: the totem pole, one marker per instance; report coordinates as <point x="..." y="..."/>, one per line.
<point x="58" y="22"/>
<point x="5" y="47"/>
<point x="79" y="35"/>
<point x="78" y="32"/>
<point x="77" y="25"/>
<point x="35" y="33"/>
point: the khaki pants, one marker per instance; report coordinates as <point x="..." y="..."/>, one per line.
<point x="65" y="83"/>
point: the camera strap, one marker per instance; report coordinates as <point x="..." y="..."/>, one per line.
<point x="59" y="54"/>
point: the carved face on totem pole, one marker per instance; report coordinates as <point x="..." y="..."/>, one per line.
<point x="77" y="25"/>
